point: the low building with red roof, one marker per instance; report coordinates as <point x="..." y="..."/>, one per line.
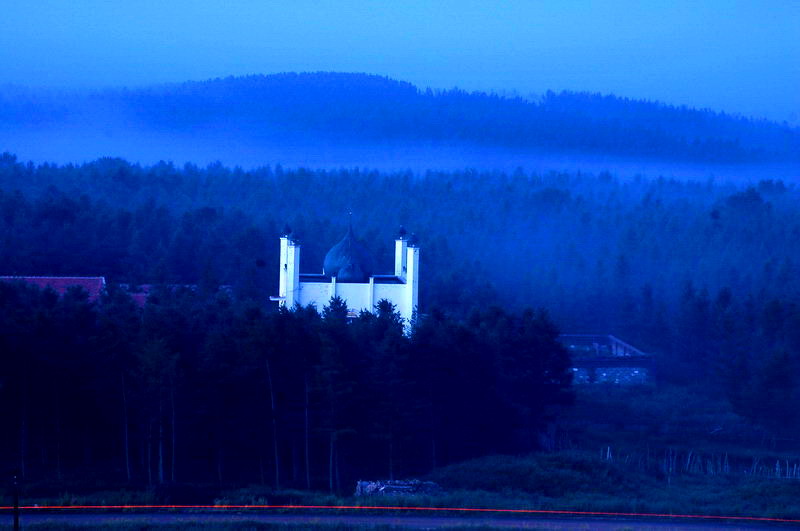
<point x="94" y="286"/>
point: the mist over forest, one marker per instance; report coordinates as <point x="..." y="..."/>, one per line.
<point x="642" y="250"/>
<point x="671" y="227"/>
<point x="333" y="120"/>
<point x="646" y="250"/>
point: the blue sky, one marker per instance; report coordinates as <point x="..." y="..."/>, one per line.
<point x="737" y="56"/>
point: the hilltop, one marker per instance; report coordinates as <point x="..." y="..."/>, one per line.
<point x="347" y="110"/>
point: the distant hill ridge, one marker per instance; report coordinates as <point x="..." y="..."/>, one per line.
<point x="348" y="108"/>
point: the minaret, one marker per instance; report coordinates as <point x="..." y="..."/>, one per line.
<point x="400" y="251"/>
<point x="411" y="294"/>
<point x="290" y="270"/>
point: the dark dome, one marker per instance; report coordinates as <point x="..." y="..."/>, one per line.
<point x="348" y="260"/>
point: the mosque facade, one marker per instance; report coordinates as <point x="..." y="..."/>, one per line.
<point x="348" y="273"/>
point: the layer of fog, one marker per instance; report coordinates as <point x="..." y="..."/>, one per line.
<point x="78" y="144"/>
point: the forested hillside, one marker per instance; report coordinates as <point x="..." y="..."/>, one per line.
<point x="704" y="275"/>
<point x="355" y="109"/>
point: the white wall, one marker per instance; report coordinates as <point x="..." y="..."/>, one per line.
<point x="316" y="293"/>
<point x="355" y="295"/>
<point x="394" y="294"/>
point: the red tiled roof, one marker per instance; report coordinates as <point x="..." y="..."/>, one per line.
<point x="94" y="286"/>
<point x="139" y="299"/>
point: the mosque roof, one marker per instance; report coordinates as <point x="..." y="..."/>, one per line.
<point x="349" y="260"/>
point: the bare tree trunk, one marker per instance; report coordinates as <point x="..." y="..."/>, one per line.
<point x="58" y="433"/>
<point x="308" y="460"/>
<point x="143" y="453"/>
<point x="433" y="434"/>
<point x="261" y="467"/>
<point x="391" y="457"/>
<point x="336" y="468"/>
<point x="126" y="433"/>
<point x="150" y="452"/>
<point x="174" y="436"/>
<point x="274" y="428"/>
<point x="219" y="464"/>
<point x="330" y="461"/>
<point x="23" y="437"/>
<point x="160" y="441"/>
<point x="295" y="463"/>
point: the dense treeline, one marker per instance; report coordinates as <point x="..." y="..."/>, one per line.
<point x="200" y="387"/>
<point x="353" y="109"/>
<point x="563" y="241"/>
<point x="705" y="275"/>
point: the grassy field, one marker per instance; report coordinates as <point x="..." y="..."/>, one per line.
<point x="583" y="482"/>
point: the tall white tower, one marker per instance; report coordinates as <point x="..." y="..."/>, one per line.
<point x="348" y="274"/>
<point x="290" y="271"/>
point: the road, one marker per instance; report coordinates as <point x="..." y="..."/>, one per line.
<point x="370" y="521"/>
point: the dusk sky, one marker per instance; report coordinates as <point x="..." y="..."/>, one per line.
<point x="736" y="56"/>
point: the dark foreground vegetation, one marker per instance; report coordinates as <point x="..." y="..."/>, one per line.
<point x="703" y="459"/>
<point x="202" y="389"/>
<point x="203" y="382"/>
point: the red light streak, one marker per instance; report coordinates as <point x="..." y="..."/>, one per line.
<point x="551" y="512"/>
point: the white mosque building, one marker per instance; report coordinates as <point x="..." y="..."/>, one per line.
<point x="348" y="273"/>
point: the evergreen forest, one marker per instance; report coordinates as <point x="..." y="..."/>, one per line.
<point x="209" y="386"/>
<point x="209" y="382"/>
